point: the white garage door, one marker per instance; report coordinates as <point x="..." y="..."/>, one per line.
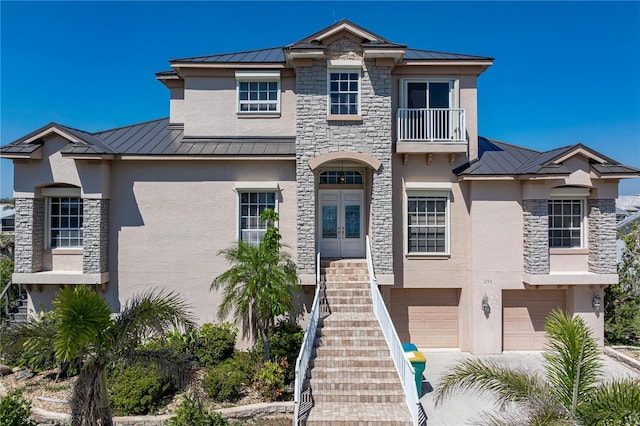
<point x="427" y="318"/>
<point x="523" y="315"/>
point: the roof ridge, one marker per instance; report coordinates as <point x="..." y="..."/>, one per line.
<point x="130" y="125"/>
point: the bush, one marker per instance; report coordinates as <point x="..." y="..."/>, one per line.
<point x="214" y="343"/>
<point x="226" y="381"/>
<point x="15" y="410"/>
<point x="192" y="412"/>
<point x="269" y="381"/>
<point x="138" y="389"/>
<point x="285" y="340"/>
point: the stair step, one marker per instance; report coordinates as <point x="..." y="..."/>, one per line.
<point x="335" y="351"/>
<point x="350" y="308"/>
<point x="343" y="414"/>
<point x="373" y="386"/>
<point x="351" y="363"/>
<point x="348" y="300"/>
<point x="353" y="280"/>
<point x="351" y="333"/>
<point x="342" y="396"/>
<point x="352" y="375"/>
<point x="348" y="292"/>
<point x="371" y="343"/>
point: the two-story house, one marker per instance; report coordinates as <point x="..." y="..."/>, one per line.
<point x="346" y="134"/>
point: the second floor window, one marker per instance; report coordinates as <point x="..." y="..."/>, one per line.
<point x="344" y="92"/>
<point x="565" y="223"/>
<point x="258" y="96"/>
<point x="65" y="222"/>
<point x="252" y="204"/>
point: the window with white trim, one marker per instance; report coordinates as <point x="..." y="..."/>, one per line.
<point x="427" y="222"/>
<point x="344" y="91"/>
<point x="252" y="204"/>
<point x="65" y="222"/>
<point x="566" y="223"/>
<point x="258" y="92"/>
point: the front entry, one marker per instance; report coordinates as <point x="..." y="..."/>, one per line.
<point x="341" y="223"/>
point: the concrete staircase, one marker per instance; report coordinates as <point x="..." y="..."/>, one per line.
<point x="352" y="378"/>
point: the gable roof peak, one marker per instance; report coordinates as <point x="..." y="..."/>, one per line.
<point x="342" y="25"/>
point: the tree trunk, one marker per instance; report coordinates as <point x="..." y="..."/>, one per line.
<point x="265" y="343"/>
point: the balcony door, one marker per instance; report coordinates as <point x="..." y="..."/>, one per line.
<point x="434" y="98"/>
<point x="341" y="223"/>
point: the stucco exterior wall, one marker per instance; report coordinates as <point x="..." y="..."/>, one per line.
<point x="496" y="258"/>
<point x="450" y="271"/>
<point x="166" y="229"/>
<point x="210" y="109"/>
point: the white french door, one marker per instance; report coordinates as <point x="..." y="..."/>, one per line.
<point x="341" y="223"/>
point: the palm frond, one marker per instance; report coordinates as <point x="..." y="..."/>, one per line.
<point x="82" y="318"/>
<point x="614" y="403"/>
<point x="506" y="384"/>
<point x="150" y="313"/>
<point x="572" y="361"/>
<point x="31" y="344"/>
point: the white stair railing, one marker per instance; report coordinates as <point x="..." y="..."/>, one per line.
<point x="402" y="364"/>
<point x="302" y="362"/>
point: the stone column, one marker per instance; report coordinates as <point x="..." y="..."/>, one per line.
<point x="310" y="106"/>
<point x="536" y="236"/>
<point x="95" y="223"/>
<point x="29" y="235"/>
<point x="602" y="236"/>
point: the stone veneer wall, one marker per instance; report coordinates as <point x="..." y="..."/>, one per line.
<point x="536" y="236"/>
<point x="602" y="236"/>
<point x="29" y="235"/>
<point x="315" y="136"/>
<point x="95" y="226"/>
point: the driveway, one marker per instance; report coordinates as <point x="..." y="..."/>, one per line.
<point x="463" y="408"/>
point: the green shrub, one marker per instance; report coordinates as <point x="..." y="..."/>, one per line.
<point x="269" y="381"/>
<point x="215" y="343"/>
<point x="138" y="389"/>
<point x="226" y="381"/>
<point x="15" y="410"/>
<point x="285" y="340"/>
<point x="192" y="412"/>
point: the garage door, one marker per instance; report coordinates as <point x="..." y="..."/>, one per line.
<point x="426" y="317"/>
<point x="523" y="315"/>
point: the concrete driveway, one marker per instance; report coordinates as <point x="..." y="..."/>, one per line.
<point x="462" y="409"/>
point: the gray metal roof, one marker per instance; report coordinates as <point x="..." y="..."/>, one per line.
<point x="276" y="54"/>
<point x="156" y="138"/>
<point x="271" y="55"/>
<point x="417" y="54"/>
<point x="500" y="158"/>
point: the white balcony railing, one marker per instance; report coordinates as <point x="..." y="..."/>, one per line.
<point x="431" y="125"/>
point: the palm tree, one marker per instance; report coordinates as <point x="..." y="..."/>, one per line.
<point x="569" y="393"/>
<point x="86" y="332"/>
<point x="260" y="283"/>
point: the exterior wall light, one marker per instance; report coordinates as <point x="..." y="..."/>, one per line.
<point x="596" y="303"/>
<point x="485" y="306"/>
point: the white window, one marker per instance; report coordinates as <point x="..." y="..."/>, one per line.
<point x="252" y="204"/>
<point x="428" y="218"/>
<point x="344" y="91"/>
<point x="65" y="222"/>
<point x="566" y="223"/>
<point x="258" y="92"/>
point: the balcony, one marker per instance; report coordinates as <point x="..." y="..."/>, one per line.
<point x="431" y="130"/>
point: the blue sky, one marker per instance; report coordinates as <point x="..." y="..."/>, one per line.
<point x="564" y="72"/>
